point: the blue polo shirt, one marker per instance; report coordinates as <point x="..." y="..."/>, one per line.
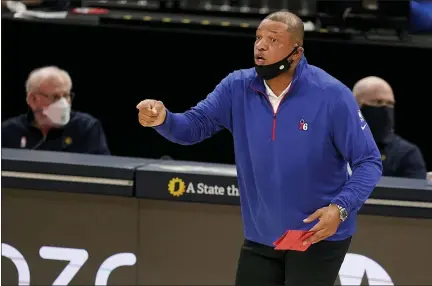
<point x="83" y="134"/>
<point x="293" y="161"/>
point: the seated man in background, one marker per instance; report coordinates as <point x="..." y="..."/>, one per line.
<point x="50" y="124"/>
<point x="400" y="157"/>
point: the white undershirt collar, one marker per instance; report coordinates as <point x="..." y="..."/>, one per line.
<point x="273" y="98"/>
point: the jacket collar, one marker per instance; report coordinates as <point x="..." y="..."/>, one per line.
<point x="257" y="83"/>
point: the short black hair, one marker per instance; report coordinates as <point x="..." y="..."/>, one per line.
<point x="294" y="23"/>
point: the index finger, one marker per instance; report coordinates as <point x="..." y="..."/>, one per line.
<point x="316" y="237"/>
<point x="318" y="226"/>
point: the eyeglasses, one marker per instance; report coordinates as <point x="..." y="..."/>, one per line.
<point x="56" y="97"/>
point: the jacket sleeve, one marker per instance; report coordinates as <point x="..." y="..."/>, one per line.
<point x="353" y="139"/>
<point x="202" y="121"/>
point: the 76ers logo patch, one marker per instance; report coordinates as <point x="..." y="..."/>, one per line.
<point x="303" y="125"/>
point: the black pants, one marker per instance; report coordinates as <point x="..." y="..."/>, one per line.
<point x="261" y="265"/>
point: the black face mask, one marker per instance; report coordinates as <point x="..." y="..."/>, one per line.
<point x="380" y="121"/>
<point x="268" y="72"/>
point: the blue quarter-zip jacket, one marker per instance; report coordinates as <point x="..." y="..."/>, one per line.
<point x="292" y="162"/>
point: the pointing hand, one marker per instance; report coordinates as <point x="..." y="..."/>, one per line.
<point x="151" y="113"/>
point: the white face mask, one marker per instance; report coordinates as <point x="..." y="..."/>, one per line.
<point x="58" y="112"/>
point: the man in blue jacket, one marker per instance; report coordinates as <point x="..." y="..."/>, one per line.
<point x="295" y="127"/>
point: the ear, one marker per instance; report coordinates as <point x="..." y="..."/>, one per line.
<point x="298" y="53"/>
<point x="300" y="50"/>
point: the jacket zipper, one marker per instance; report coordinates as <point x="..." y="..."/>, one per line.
<point x="274" y="112"/>
<point x="274" y="116"/>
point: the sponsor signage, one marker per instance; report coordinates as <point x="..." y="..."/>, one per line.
<point x="75" y="259"/>
<point x="211" y="186"/>
<point x="178" y="187"/>
<point x="356" y="268"/>
<point x="359" y="270"/>
<point x="53" y="238"/>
